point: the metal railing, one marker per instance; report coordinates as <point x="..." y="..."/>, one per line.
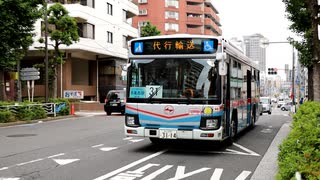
<point x="50" y="108"/>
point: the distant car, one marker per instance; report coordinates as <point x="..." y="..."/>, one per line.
<point x="274" y="100"/>
<point x="281" y="102"/>
<point x="286" y="107"/>
<point x="115" y="102"/>
<point x="266" y="105"/>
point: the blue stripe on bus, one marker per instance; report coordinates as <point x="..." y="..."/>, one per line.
<point x="156" y="119"/>
<point x="169" y="126"/>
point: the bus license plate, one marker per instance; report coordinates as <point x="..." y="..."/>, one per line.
<point x="168" y="134"/>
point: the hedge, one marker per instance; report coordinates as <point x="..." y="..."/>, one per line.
<point x="300" y="151"/>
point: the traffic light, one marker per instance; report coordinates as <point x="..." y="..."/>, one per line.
<point x="272" y="71"/>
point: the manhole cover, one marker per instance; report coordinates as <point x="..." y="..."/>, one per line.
<point x="21" y="135"/>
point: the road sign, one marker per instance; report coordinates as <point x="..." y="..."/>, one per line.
<point x="29" y="74"/>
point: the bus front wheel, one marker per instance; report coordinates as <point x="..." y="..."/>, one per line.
<point x="233" y="133"/>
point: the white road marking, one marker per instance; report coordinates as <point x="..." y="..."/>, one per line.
<point x="97" y="145"/>
<point x="246" y="149"/>
<point x="65" y="161"/>
<point x="117" y="171"/>
<point x="157" y="172"/>
<point x="243" y="175"/>
<point x="36" y="160"/>
<point x="128" y="138"/>
<point x="180" y="173"/>
<point x="216" y="174"/>
<point x="61" y="154"/>
<point x="4" y="168"/>
<point x="108" y="148"/>
<point x="1" y="178"/>
<point x="136" y="140"/>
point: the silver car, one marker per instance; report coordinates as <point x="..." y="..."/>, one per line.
<point x="286" y="107"/>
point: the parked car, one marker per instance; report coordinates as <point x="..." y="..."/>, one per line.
<point x="281" y="102"/>
<point x="266" y="105"/>
<point x="115" y="102"/>
<point x="286" y="107"/>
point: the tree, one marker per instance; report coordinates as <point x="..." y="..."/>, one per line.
<point x="16" y="32"/>
<point x="63" y="30"/>
<point x="149" y="30"/>
<point x="304" y="17"/>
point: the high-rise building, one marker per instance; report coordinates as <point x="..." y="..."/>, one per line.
<point x="254" y="51"/>
<point x="179" y="16"/>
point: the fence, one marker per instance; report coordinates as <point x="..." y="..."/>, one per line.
<point x="50" y="108"/>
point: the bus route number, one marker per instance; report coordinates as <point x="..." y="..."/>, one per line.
<point x="154" y="91"/>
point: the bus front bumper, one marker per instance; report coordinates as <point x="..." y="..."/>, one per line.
<point x="166" y="133"/>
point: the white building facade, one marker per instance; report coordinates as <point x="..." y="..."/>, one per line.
<point x="92" y="65"/>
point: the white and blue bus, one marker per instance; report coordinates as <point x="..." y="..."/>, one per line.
<point x="189" y="87"/>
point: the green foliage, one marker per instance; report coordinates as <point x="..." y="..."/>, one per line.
<point x="149" y="30"/>
<point x="16" y="27"/>
<point x="300" y="152"/>
<point x="24" y="113"/>
<point x="6" y="116"/>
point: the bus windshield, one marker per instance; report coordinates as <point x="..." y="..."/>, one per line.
<point x="174" y="80"/>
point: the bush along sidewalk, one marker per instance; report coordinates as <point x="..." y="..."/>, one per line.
<point x="26" y="111"/>
<point x="300" y="151"/>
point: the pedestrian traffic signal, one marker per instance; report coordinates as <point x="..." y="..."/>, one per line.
<point x="272" y="71"/>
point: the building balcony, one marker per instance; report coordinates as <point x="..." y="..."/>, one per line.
<point x="213" y="25"/>
<point x="89" y="3"/>
<point x="197" y="30"/>
<point x="210" y="32"/>
<point x="210" y="11"/>
<point x="195" y="21"/>
<point x="195" y="1"/>
<point x="131" y="8"/>
<point x="194" y="9"/>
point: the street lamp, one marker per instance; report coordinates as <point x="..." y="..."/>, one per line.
<point x="264" y="43"/>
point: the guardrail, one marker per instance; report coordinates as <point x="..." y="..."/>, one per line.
<point x="50" y="108"/>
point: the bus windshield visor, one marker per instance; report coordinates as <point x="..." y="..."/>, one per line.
<point x="174" y="79"/>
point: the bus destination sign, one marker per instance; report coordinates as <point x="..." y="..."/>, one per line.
<point x="174" y="46"/>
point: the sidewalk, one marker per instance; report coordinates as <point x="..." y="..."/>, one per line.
<point x="268" y="166"/>
<point x="90" y="113"/>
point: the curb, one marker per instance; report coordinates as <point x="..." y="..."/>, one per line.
<point x="268" y="166"/>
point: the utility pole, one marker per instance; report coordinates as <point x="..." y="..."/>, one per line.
<point x="46" y="51"/>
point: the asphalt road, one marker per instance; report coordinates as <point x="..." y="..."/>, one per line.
<point x="94" y="147"/>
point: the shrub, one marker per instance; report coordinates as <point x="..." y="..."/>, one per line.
<point x="38" y="112"/>
<point x="300" y="151"/>
<point x="6" y="116"/>
<point x="24" y="113"/>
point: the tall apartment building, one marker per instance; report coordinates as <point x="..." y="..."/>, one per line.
<point x="179" y="16"/>
<point x="254" y="51"/>
<point x="92" y="65"/>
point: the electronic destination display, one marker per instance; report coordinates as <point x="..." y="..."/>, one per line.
<point x="174" y="46"/>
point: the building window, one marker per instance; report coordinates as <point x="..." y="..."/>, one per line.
<point x="172" y="15"/>
<point x="143" y="12"/>
<point x="110" y="37"/>
<point x="142" y="23"/>
<point x="174" y="3"/>
<point x="124" y="42"/>
<point x="142" y="1"/>
<point x="86" y="30"/>
<point x="109" y="9"/>
<point x="171" y="27"/>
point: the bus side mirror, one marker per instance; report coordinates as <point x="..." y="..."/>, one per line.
<point x="223" y="68"/>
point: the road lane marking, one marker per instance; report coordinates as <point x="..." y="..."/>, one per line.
<point x="128" y="138"/>
<point x="243" y="175"/>
<point x="57" y="155"/>
<point x="97" y="145"/>
<point x="117" y="171"/>
<point x="157" y="172"/>
<point x="216" y="174"/>
<point x="36" y="160"/>
<point x="180" y="172"/>
<point x="1" y="178"/>
<point x="108" y="148"/>
<point x="4" y="168"/>
<point x="246" y="149"/>
<point x="136" y="140"/>
<point x="65" y="161"/>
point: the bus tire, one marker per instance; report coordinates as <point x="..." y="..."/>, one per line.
<point x="234" y="129"/>
<point x="254" y="118"/>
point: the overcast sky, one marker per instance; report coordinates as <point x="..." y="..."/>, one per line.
<point x="240" y="18"/>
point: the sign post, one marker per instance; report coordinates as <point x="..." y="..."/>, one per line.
<point x="30" y="74"/>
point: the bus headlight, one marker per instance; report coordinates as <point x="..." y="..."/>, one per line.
<point x="132" y="120"/>
<point x="210" y="123"/>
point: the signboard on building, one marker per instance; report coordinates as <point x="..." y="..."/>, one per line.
<point x="73" y="94"/>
